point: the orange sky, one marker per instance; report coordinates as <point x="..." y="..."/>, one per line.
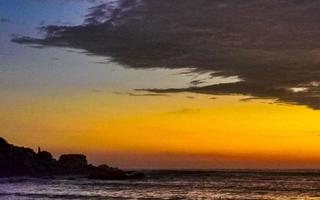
<point x="167" y="131"/>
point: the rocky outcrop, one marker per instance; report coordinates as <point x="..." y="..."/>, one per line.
<point x="104" y="172"/>
<point x="16" y="161"/>
<point x="73" y="163"/>
<point x="20" y="161"/>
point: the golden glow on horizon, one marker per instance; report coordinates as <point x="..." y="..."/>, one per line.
<point x="105" y="122"/>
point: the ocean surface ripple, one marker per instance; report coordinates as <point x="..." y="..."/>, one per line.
<point x="172" y="185"/>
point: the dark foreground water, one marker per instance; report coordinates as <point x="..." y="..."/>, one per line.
<point x="191" y="185"/>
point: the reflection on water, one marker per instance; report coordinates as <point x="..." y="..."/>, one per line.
<point x="173" y="185"/>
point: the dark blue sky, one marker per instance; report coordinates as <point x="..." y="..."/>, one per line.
<point x="32" y="12"/>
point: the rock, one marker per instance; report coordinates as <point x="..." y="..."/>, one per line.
<point x="135" y="175"/>
<point x="46" y="165"/>
<point x="15" y="161"/>
<point x="73" y="163"/>
<point x="104" y="172"/>
<point x="20" y="161"/>
<point x="3" y="143"/>
<point x="44" y="156"/>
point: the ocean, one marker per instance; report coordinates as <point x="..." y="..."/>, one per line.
<point x="175" y="185"/>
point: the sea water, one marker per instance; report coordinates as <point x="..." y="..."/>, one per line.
<point x="193" y="185"/>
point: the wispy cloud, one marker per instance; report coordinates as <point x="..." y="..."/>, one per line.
<point x="182" y="111"/>
<point x="140" y="94"/>
<point x="5" y="20"/>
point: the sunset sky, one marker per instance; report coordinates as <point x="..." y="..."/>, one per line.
<point x="134" y="84"/>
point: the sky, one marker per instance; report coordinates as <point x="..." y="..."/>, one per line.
<point x="163" y="84"/>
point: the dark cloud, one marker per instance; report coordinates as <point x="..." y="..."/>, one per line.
<point x="141" y="94"/>
<point x="273" y="46"/>
<point x="109" y="12"/>
<point x="196" y="82"/>
<point x="183" y="111"/>
<point x="5" y="20"/>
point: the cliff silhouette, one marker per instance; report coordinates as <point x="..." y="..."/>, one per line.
<point x="21" y="161"/>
